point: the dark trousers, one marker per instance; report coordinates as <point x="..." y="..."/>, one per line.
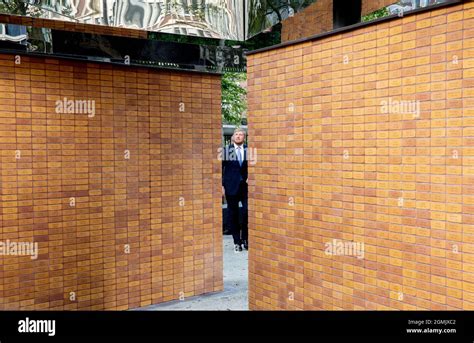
<point x="233" y="210"/>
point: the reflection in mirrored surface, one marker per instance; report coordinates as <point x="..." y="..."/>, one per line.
<point x="409" y="5"/>
<point x="263" y="14"/>
<point x="120" y="50"/>
<point x="223" y="19"/>
<point x="220" y="19"/>
<point x="202" y="18"/>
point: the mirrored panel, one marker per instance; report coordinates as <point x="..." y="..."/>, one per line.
<point x="234" y="20"/>
<point x="261" y="15"/>
<point x="324" y="16"/>
<point x="120" y="50"/>
<point x="221" y="19"/>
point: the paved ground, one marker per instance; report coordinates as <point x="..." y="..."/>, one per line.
<point x="234" y="297"/>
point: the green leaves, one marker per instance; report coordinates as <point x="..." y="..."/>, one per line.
<point x="234" y="97"/>
<point x="380" y="13"/>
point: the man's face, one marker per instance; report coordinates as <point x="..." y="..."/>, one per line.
<point x="239" y="137"/>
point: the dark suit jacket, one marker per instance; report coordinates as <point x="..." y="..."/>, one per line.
<point x="232" y="173"/>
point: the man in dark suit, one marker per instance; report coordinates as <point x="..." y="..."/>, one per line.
<point x="235" y="187"/>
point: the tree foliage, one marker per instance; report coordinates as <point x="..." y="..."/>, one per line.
<point x="264" y="14"/>
<point x="21" y="7"/>
<point x="380" y="13"/>
<point x="14" y="7"/>
<point x="234" y="102"/>
<point x="234" y="96"/>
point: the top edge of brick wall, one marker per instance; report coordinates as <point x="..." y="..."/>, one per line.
<point x="73" y="26"/>
<point x="358" y="26"/>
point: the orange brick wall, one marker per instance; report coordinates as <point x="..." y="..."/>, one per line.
<point x="314" y="19"/>
<point x="332" y="165"/>
<point x="143" y="230"/>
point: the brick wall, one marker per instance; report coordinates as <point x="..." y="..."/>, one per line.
<point x="125" y="204"/>
<point x="314" y="19"/>
<point x="318" y="18"/>
<point x="333" y="164"/>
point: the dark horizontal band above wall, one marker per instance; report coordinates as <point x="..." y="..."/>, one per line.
<point x="126" y="51"/>
<point x="355" y="26"/>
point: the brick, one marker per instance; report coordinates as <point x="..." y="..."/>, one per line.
<point x="118" y="201"/>
<point x="398" y="190"/>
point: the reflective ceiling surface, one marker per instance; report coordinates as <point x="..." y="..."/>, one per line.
<point x="223" y="19"/>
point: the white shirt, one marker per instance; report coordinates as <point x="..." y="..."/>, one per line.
<point x="240" y="149"/>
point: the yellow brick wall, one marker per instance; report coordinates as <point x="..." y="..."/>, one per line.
<point x="333" y="164"/>
<point x="143" y="227"/>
